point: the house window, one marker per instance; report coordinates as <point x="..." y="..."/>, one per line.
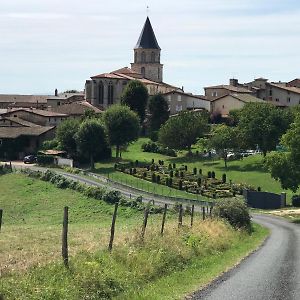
<point x="214" y="94"/>
<point x="152" y="57"/>
<point x="178" y="107"/>
<point x="270" y="92"/>
<point x="143" y="71"/>
<point x="110" y="93"/>
<point x="135" y="57"/>
<point x="169" y="98"/>
<point x="179" y="98"/>
<point x="101" y="92"/>
<point x="49" y="119"/>
<point x="277" y="100"/>
<point x="158" y="74"/>
<point x="223" y="106"/>
<point x="58" y="103"/>
<point x="288" y="99"/>
<point x="143" y="57"/>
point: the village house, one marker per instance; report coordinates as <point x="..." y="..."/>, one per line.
<point x="179" y="101"/>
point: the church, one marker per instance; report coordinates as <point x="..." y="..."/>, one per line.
<point x="106" y="89"/>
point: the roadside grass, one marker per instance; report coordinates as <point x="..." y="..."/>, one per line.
<point x="32" y="218"/>
<point x="249" y="170"/>
<point x="153" y="269"/>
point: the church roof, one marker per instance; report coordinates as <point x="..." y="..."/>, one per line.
<point x="147" y="39"/>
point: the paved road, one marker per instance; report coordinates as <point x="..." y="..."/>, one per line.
<point x="273" y="272"/>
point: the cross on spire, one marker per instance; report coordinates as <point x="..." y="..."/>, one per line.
<point x="148" y="11"/>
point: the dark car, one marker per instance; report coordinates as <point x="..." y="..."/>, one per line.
<point x="29" y="159"/>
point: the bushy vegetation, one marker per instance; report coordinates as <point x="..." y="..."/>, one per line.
<point x="45" y="159"/>
<point x="99" y="193"/>
<point x="156" y="148"/>
<point x="235" y="211"/>
<point x="131" y="265"/>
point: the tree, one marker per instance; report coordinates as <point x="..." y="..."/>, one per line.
<point x="286" y="166"/>
<point x="122" y="125"/>
<point x="224" y="138"/>
<point x="135" y="95"/>
<point x="159" y="111"/>
<point x="65" y="135"/>
<point x="262" y="124"/>
<point x="91" y="138"/>
<point x="182" y="131"/>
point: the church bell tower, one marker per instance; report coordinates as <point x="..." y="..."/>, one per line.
<point x="147" y="55"/>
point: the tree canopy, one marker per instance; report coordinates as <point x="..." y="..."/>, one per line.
<point x="286" y="166"/>
<point x="91" y="138"/>
<point x="135" y="95"/>
<point x="182" y="131"/>
<point x="122" y="125"/>
<point x="262" y="124"/>
<point x="159" y="111"/>
<point x="224" y="139"/>
<point x="65" y="135"/>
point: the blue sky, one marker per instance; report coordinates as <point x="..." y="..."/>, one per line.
<point x="52" y="44"/>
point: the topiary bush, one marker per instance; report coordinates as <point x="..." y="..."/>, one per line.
<point x="296" y="200"/>
<point x="235" y="211"/>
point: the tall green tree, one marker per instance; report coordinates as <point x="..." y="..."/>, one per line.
<point x="285" y="166"/>
<point x="262" y="124"/>
<point x="123" y="125"/>
<point x="65" y="135"/>
<point x="91" y="138"/>
<point x="135" y="95"/>
<point x="159" y="111"/>
<point x="224" y="139"/>
<point x="182" y="131"/>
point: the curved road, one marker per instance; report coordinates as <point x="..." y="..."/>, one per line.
<point x="273" y="272"/>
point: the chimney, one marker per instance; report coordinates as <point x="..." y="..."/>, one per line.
<point x="233" y="82"/>
<point x="56" y="93"/>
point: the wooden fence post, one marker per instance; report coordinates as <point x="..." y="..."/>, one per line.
<point x="180" y="216"/>
<point x="112" y="229"/>
<point x="146" y="214"/>
<point x="192" y="215"/>
<point x="203" y="212"/>
<point x="164" y="219"/>
<point x="1" y="214"/>
<point x="64" y="250"/>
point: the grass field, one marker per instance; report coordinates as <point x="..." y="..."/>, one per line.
<point x="175" y="264"/>
<point x="249" y="170"/>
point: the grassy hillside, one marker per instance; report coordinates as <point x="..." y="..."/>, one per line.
<point x="248" y="170"/>
<point x="32" y="218"/>
<point x="175" y="264"/>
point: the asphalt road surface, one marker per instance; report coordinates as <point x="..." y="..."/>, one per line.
<point x="272" y="272"/>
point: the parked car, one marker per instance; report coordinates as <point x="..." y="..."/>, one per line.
<point x="30" y="159"/>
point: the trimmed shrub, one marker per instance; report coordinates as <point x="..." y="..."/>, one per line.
<point x="180" y="184"/>
<point x="195" y="171"/>
<point x="209" y="174"/>
<point x="199" y="181"/>
<point x="224" y="178"/>
<point x="213" y="174"/>
<point x="171" y="173"/>
<point x="157" y="179"/>
<point x="296" y="200"/>
<point x="45" y="160"/>
<point x="235" y="211"/>
<point x="153" y="177"/>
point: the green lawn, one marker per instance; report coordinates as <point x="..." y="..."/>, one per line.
<point x="248" y="170"/>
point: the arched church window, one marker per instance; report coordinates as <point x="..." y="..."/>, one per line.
<point x="101" y="92"/>
<point x="152" y="57"/>
<point x="135" y="57"/>
<point x="143" y="71"/>
<point x="158" y="74"/>
<point x="110" y="93"/>
<point x="143" y="57"/>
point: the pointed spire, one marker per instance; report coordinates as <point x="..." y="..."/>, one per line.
<point x="147" y="39"/>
